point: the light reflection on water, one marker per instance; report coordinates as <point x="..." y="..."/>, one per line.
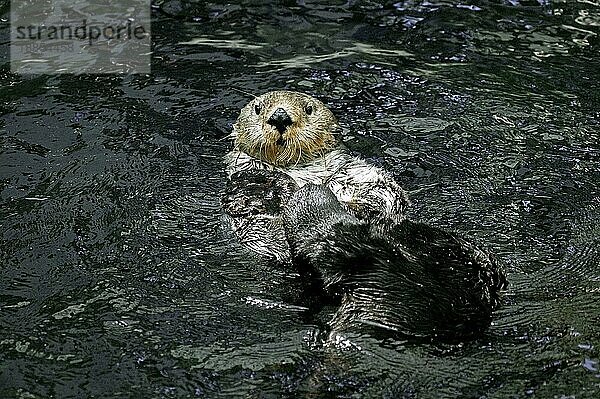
<point x="117" y="276"/>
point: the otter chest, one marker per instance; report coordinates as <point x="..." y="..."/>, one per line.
<point x="353" y="181"/>
<point x="335" y="169"/>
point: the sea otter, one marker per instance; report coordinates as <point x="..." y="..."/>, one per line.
<point x="296" y="195"/>
<point x="295" y="134"/>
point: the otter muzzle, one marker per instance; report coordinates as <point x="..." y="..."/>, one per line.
<point x="280" y="119"/>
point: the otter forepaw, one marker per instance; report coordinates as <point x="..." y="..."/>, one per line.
<point x="254" y="192"/>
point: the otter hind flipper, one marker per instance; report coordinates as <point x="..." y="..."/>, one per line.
<point x="409" y="279"/>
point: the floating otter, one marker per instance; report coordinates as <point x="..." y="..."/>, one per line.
<point x="296" y="195"/>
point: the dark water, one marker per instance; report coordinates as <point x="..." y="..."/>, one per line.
<point x="117" y="278"/>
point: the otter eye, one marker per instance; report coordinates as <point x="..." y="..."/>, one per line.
<point x="257" y="109"/>
<point x="309" y="109"/>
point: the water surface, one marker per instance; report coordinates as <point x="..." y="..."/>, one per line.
<point x="117" y="278"/>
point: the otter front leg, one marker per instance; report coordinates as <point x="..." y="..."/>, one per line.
<point x="369" y="193"/>
<point x="256" y="192"/>
<point x="381" y="201"/>
<point x="252" y="203"/>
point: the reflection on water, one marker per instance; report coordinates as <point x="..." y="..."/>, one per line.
<point x="118" y="279"/>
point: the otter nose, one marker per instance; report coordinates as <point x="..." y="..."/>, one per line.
<point x="280" y="119"/>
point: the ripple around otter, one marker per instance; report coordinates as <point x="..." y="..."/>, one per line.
<point x="117" y="279"/>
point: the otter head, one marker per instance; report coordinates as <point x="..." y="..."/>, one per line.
<point x="285" y="128"/>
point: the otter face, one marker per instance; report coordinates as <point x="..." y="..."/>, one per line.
<point x="285" y="128"/>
